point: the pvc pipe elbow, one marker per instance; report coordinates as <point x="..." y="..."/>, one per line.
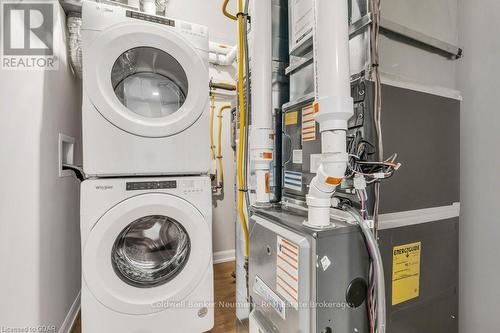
<point x="223" y="59"/>
<point x="219" y="48"/>
<point x="318" y="202"/>
<point x="323" y="186"/>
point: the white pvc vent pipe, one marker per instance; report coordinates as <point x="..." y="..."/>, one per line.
<point x="221" y="54"/>
<point x="333" y="105"/>
<point x="149" y="6"/>
<point x="261" y="142"/>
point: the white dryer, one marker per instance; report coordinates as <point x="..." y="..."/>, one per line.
<point x="145" y="93"/>
<point x="147" y="255"/>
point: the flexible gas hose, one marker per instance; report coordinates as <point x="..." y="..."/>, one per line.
<point x="226" y="13"/>
<point x="241" y="106"/>
<point x="219" y="147"/>
<point x="212" y="111"/>
<point x="241" y="143"/>
<point x="376" y="257"/>
<point x="248" y="102"/>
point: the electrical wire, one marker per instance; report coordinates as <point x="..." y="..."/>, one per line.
<point x="375" y="34"/>
<point x="376" y="294"/>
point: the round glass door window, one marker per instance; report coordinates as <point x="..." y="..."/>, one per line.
<point x="149" y="82"/>
<point x="151" y="251"/>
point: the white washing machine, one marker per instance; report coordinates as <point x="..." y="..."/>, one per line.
<point x="145" y="94"/>
<point x="147" y="255"/>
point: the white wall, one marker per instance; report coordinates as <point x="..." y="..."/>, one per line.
<point x="39" y="212"/>
<point x="222" y="30"/>
<point x="480" y="222"/>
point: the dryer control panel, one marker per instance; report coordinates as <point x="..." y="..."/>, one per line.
<point x="150" y="18"/>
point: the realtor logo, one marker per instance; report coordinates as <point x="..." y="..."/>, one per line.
<point x="28" y="35"/>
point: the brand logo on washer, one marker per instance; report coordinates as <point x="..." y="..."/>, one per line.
<point x="28" y="35"/>
<point x="104" y="187"/>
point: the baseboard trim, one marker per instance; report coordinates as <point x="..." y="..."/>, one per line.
<point x="67" y="325"/>
<point x="224" y="256"/>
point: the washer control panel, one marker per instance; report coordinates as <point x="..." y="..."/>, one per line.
<point x="150" y="18"/>
<point x="158" y="185"/>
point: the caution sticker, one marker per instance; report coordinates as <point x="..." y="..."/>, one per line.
<point x="291" y="118"/>
<point x="270" y="297"/>
<point x="406" y="272"/>
<point x="287" y="271"/>
<point x="308" y="124"/>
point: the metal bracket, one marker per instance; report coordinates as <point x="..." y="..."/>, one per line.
<point x="452" y="51"/>
<point x="358" y="26"/>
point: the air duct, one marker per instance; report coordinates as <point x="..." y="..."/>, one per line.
<point x="333" y="105"/>
<point x="74" y="26"/>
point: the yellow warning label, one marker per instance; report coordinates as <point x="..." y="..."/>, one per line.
<point x="291" y="118"/>
<point x="406" y="272"/>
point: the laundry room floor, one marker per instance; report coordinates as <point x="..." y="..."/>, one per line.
<point x="225" y="291"/>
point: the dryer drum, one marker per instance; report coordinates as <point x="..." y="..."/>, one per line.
<point x="149" y="82"/>
<point x="151" y="251"/>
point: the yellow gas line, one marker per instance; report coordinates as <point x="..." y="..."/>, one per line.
<point x="226" y="13"/>
<point x="212" y="111"/>
<point x="219" y="147"/>
<point x="241" y="101"/>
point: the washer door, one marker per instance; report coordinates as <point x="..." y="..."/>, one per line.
<point x="147" y="254"/>
<point x="146" y="80"/>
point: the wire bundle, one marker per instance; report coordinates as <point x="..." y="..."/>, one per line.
<point x="374" y="44"/>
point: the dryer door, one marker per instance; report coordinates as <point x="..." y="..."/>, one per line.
<point x="147" y="254"/>
<point x="146" y="79"/>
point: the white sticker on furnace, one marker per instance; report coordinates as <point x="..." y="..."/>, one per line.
<point x="270" y="298"/>
<point x="325" y="263"/>
<point x="287" y="271"/>
<point x="297" y="156"/>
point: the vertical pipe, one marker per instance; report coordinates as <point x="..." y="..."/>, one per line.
<point x="333" y="105"/>
<point x="331" y="64"/>
<point x="261" y="64"/>
<point x="261" y="81"/>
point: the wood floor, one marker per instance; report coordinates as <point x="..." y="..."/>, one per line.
<point x="225" y="291"/>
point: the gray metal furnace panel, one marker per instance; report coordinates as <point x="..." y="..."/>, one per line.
<point x="323" y="287"/>
<point x="349" y="261"/>
<point x="435" y="310"/>
<point x="424" y="130"/>
<point x="263" y="271"/>
<point x="293" y="140"/>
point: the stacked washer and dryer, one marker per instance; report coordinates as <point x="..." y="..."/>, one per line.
<point x="146" y="221"/>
